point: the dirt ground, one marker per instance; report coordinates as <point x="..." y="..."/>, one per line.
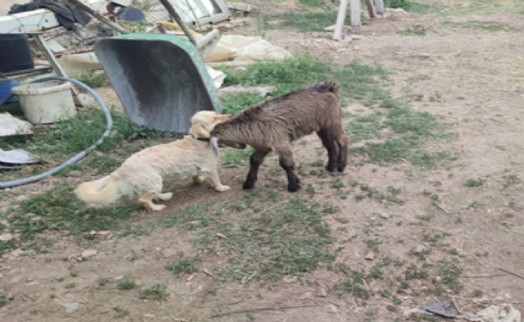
<point x="473" y="78"/>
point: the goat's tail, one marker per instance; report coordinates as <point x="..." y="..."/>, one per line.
<point x="326" y="87"/>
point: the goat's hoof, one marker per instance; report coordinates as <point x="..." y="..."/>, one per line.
<point x="341" y="169"/>
<point x="330" y="167"/>
<point x="293" y="187"/>
<point x="248" y="185"/>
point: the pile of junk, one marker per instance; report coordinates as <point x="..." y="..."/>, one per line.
<point x="158" y="56"/>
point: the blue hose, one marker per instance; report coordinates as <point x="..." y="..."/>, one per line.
<point x="80" y="155"/>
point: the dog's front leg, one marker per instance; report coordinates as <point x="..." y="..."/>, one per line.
<point x="214" y="180"/>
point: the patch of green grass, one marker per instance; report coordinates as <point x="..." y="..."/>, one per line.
<point x="409" y="131"/>
<point x="3" y="300"/>
<point x="186" y="265"/>
<point x="355" y="283"/>
<point x="414" y="272"/>
<point x="450" y="275"/>
<point x="356" y="81"/>
<point x="373" y="243"/>
<point x="120" y="312"/>
<point x="365" y="127"/>
<point x="304" y="21"/>
<point x="411" y="5"/>
<point x="59" y="209"/>
<point x="390" y="196"/>
<point x="479" y="182"/>
<point x="337" y="184"/>
<point x="231" y="157"/>
<point x="510" y="180"/>
<point x="435" y="238"/>
<point x="265" y="235"/>
<point x="70" y="285"/>
<point x="93" y="79"/>
<point x="414" y="31"/>
<point x="313" y="3"/>
<point x="74" y="135"/>
<point x="126" y="284"/>
<point x="155" y="292"/>
<point x="236" y="102"/>
<point x="102" y="281"/>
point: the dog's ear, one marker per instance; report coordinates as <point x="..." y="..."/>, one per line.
<point x="200" y="130"/>
<point x="222" y="117"/>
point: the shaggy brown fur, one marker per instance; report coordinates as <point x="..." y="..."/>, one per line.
<point x="275" y="123"/>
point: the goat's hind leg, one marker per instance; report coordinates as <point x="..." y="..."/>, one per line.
<point x="329" y="143"/>
<point x="287" y="163"/>
<point x="255" y="161"/>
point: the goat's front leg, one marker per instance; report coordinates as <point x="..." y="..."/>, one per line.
<point x="255" y="161"/>
<point x="287" y="163"/>
<point x="330" y="145"/>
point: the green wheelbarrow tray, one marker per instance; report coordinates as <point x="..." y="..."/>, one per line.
<point x="160" y="79"/>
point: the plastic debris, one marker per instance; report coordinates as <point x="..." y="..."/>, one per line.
<point x="443" y="308"/>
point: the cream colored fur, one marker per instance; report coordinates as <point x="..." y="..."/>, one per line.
<point x="142" y="173"/>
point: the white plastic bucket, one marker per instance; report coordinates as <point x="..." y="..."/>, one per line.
<point x="46" y="102"/>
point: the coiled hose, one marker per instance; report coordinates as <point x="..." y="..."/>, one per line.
<point x="78" y="156"/>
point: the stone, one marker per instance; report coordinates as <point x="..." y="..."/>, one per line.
<point x="89" y="253"/>
<point x="169" y="252"/>
<point x="71" y="307"/>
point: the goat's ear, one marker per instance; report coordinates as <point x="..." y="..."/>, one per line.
<point x="200" y="130"/>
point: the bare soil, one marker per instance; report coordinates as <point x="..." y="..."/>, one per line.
<point x="473" y="78"/>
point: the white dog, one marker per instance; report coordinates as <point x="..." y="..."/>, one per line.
<point x="142" y="173"/>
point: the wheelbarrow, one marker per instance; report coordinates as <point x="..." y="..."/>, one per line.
<point x="160" y="79"/>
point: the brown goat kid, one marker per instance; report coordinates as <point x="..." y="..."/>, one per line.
<point x="275" y="123"/>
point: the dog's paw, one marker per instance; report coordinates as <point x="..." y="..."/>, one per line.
<point x="222" y="188"/>
<point x="154" y="207"/>
<point x="159" y="207"/>
<point x="165" y="196"/>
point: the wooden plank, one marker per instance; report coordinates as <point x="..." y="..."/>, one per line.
<point x="355" y="13"/>
<point x="339" y="27"/>
<point x="57" y="68"/>
<point x="371" y="8"/>
<point x="379" y="6"/>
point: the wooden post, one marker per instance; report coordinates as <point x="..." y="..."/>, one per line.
<point x="174" y="15"/>
<point x="339" y="27"/>
<point x="57" y="68"/>
<point x="40" y="42"/>
<point x="355" y="13"/>
<point x="371" y="8"/>
<point x="379" y="5"/>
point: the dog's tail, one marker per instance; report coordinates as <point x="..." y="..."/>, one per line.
<point x="98" y="192"/>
